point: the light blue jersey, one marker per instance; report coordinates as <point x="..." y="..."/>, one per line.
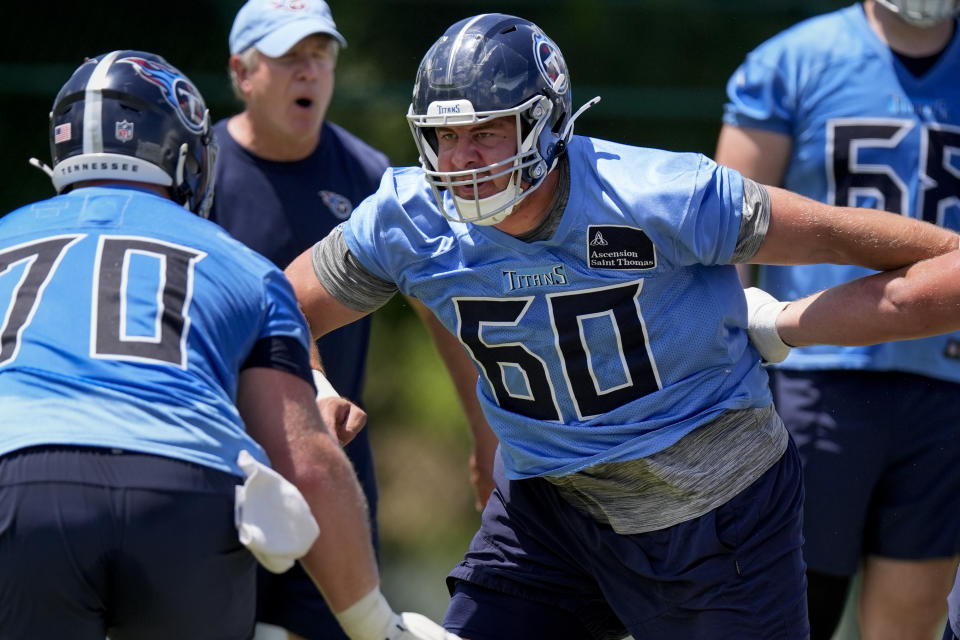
<point x="124" y="322"/>
<point x="611" y="340"/>
<point x="866" y="132"/>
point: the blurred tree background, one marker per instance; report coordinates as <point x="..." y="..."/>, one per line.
<point x="659" y="65"/>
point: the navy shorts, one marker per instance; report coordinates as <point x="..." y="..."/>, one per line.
<point x="539" y="568"/>
<point x="96" y="542"/>
<point x="880" y="453"/>
<point x="291" y="599"/>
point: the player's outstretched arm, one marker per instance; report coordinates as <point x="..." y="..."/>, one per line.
<point x="912" y="302"/>
<point x="804" y="231"/>
<point x="280" y="413"/>
<point x="324" y="313"/>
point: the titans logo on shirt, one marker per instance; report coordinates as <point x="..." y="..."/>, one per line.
<point x="533" y="277"/>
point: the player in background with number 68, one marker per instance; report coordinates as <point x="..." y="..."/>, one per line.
<point x="861" y="107"/>
<point x="593" y="285"/>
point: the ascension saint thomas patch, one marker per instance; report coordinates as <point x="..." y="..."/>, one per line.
<point x="619" y="247"/>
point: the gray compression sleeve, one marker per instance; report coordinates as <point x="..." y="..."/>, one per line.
<point x="755" y="221"/>
<point x="345" y="278"/>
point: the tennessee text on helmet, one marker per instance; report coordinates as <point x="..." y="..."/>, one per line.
<point x="485" y="67"/>
<point x="923" y="13"/>
<point x="130" y="115"/>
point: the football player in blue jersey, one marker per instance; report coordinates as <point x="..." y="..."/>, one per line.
<point x="861" y="107"/>
<point x="151" y="368"/>
<point x="645" y="484"/>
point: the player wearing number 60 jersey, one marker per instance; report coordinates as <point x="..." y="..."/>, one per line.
<point x="644" y="483"/>
<point x="861" y="107"/>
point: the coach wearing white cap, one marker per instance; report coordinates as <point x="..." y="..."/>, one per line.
<point x="273" y="27"/>
<point x="285" y="177"/>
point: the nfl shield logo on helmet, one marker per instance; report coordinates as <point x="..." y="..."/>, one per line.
<point x="124" y="131"/>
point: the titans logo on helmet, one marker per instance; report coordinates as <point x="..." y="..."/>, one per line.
<point x="178" y="91"/>
<point x="551" y="63"/>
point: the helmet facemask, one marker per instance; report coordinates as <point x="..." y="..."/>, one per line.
<point x="527" y="167"/>
<point x="485" y="67"/>
<point x="922" y="13"/>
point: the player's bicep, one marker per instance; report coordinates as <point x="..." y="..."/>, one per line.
<point x="332" y="288"/>
<point x="323" y="312"/>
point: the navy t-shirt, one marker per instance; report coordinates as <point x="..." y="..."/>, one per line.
<point x="280" y="209"/>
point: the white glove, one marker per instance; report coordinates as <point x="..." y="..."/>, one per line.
<point x="371" y="618"/>
<point x="273" y="519"/>
<point x="762" y="312"/>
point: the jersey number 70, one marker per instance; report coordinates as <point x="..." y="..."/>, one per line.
<point x="110" y="337"/>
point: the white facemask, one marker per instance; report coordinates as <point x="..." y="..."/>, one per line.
<point x="922" y="13"/>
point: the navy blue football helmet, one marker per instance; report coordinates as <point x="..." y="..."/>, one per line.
<point x="130" y="115"/>
<point x="484" y="67"/>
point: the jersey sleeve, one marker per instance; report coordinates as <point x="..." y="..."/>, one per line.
<point x="283" y="341"/>
<point x="711" y="227"/>
<point x="760" y="93"/>
<point x="397" y="228"/>
<point x="696" y="209"/>
<point x="342" y="275"/>
<point x="362" y="230"/>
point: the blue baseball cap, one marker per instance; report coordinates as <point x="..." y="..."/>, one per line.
<point x="275" y="26"/>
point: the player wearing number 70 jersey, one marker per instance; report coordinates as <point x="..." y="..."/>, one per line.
<point x="151" y="368"/>
<point x="644" y="482"/>
<point x="861" y="107"/>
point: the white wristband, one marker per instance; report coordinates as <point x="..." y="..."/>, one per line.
<point x="762" y="312"/>
<point x="324" y="388"/>
<point x="368" y="618"/>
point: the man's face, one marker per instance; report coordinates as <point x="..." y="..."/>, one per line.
<point x="475" y="146"/>
<point x="291" y="93"/>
